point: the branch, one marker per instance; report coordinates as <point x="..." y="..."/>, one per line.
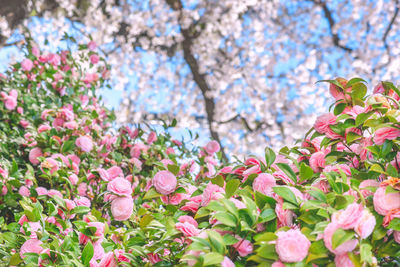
<point x="198" y="77"/>
<point x="328" y="15"/>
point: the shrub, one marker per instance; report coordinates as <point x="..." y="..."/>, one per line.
<point x="77" y="192"/>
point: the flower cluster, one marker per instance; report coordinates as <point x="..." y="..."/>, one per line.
<point x="77" y="192"/>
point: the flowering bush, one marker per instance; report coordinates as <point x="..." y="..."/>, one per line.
<point x="77" y="192"/>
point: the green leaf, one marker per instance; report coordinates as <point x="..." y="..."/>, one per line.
<point x="389" y="85"/>
<point x="332" y="82"/>
<point x="231" y="187"/>
<point x="395" y="224"/>
<point x="354" y="81"/>
<point x="87" y="253"/>
<point x="218" y="180"/>
<point x="377" y="168"/>
<point x="265" y="237"/>
<point x="270" y="156"/>
<point x="173" y="168"/>
<point x="306" y="172"/>
<point x="15" y="260"/>
<point x="152" y="193"/>
<point x="217" y="242"/>
<point x="366" y="254"/>
<point x="212" y="258"/>
<point x="145" y="220"/>
<point x="340" y="236"/>
<point x="226" y="218"/>
<point x="358" y="91"/>
<point x="361" y="118"/>
<point x="68" y="146"/>
<point x="351" y="136"/>
<point x="339" y="108"/>
<point x="268" y="215"/>
<point x="286" y="194"/>
<point x="229" y="239"/>
<point x="80" y="210"/>
<point x="288" y="171"/>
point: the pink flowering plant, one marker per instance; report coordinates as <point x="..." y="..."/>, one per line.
<point x="77" y="191"/>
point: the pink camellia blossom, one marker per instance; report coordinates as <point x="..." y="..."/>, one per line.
<point x="343" y="260"/>
<point x="94" y="59"/>
<point x="82" y="201"/>
<point x="84" y="143"/>
<point x="368" y="183"/>
<point x="348" y="218"/>
<point x="10" y="102"/>
<point x="120" y="255"/>
<point x="27" y="64"/>
<point x="73" y="179"/>
<point x="227" y="262"/>
<point x="41" y="191"/>
<point x="51" y="164"/>
<point x="114" y="172"/>
<point x="31" y="246"/>
<point x="187" y="228"/>
<point x="34" y="154"/>
<point x="385" y="133"/>
<point x="278" y="264"/>
<point x="396" y="236"/>
<point x="122" y="208"/>
<point x="243" y="247"/>
<point x="343" y="248"/>
<point x="108" y="260"/>
<point x="365" y="225"/>
<point x="212" y="147"/>
<point x="292" y="245"/>
<point x="189" y="219"/>
<point x="92" y="45"/>
<point x="24" y="123"/>
<point x="164" y="182"/>
<point x="99" y="228"/>
<point x="385" y="202"/>
<point x="154" y="258"/>
<point x="151" y="138"/>
<point x="98" y="252"/>
<point x="322" y="123"/>
<point x="317" y="161"/>
<point x="43" y="128"/>
<point x="120" y="186"/>
<point x="211" y="192"/>
<point x="24" y="191"/>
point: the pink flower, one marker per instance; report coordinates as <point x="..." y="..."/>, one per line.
<point x="43" y="128"/>
<point x="317" y="161"/>
<point x="10" y="102"/>
<point x="227" y="262"/>
<point x="212" y="147"/>
<point x="108" y="260"/>
<point x="396" y="236"/>
<point x="343" y="261"/>
<point x="73" y="179"/>
<point x="383" y="203"/>
<point x="41" y="191"/>
<point x="94" y="59"/>
<point x="164" y="182"/>
<point x="120" y="254"/>
<point x="99" y="228"/>
<point x="120" y="186"/>
<point x="151" y="138"/>
<point x="153" y="258"/>
<point x="84" y="143"/>
<point x="24" y="191"/>
<point x="187" y="228"/>
<point x="278" y="264"/>
<point x="92" y="45"/>
<point x="98" y="250"/>
<point x="211" y="192"/>
<point x="322" y="123"/>
<point x="82" y="201"/>
<point x="385" y="133"/>
<point x="243" y="247"/>
<point x="34" y="154"/>
<point x="189" y="219"/>
<point x="122" y="208"/>
<point x="344" y="247"/>
<point x="31" y="246"/>
<point x="348" y="218"/>
<point x="292" y="246"/>
<point x="51" y="164"/>
<point x="114" y="172"/>
<point x="27" y="64"/>
<point x="366" y="224"/>
<point x="367" y="183"/>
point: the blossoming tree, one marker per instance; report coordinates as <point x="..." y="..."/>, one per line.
<point x="77" y="192"/>
<point x="243" y="70"/>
